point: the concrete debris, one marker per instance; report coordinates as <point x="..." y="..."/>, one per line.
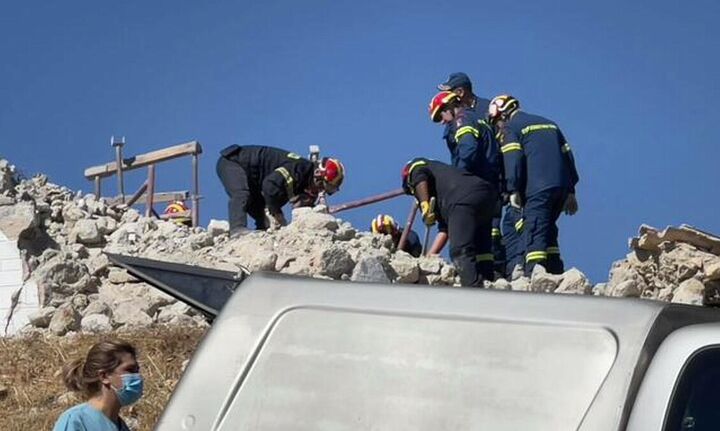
<point x="678" y="264"/>
<point x="370" y="269"/>
<point x="64" y="235"/>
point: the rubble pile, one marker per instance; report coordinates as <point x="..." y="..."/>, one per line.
<point x="676" y="264"/>
<point x="62" y="236"/>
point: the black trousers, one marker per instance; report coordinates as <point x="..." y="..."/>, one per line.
<point x="244" y="192"/>
<point x="470" y="234"/>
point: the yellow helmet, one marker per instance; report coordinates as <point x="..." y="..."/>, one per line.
<point x="384" y="224"/>
<point x="501" y="107"/>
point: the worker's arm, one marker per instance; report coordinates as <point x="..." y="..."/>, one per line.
<point x="513" y="159"/>
<point x="277" y="189"/>
<point x="439" y="243"/>
<point x="468" y="146"/>
<point x="569" y="160"/>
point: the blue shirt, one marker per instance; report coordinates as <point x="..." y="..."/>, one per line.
<point x="84" y="417"/>
<point x="473" y="146"/>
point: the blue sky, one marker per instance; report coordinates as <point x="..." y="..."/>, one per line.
<point x="632" y="84"/>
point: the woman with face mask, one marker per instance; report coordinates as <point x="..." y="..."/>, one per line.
<point x="109" y="377"/>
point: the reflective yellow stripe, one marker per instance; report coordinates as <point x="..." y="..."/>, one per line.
<point x="465" y="130"/>
<point x="288" y="181"/>
<point x="496" y="232"/>
<point x="487" y="257"/>
<point x="536" y="127"/>
<point x="565" y="148"/>
<point x="415" y="165"/>
<point x="535" y="256"/>
<point x="293" y="156"/>
<point x="553" y="250"/>
<point x="519" y="224"/>
<point x="512" y="146"/>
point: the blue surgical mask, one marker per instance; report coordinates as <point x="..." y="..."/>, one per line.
<point x="131" y="390"/>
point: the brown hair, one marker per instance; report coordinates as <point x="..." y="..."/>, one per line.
<point x="84" y="375"/>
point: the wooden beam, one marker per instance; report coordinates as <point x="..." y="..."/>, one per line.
<point x="159" y="198"/>
<point x="139" y="161"/>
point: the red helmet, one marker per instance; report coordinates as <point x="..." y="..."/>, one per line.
<point x="332" y="174"/>
<point x="438" y="102"/>
<point x="501" y="107"/>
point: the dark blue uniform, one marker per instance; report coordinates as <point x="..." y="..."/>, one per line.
<point x="473" y="148"/>
<point x="256" y="177"/>
<point x="464" y="203"/>
<point x="540" y="166"/>
<point x="512" y="229"/>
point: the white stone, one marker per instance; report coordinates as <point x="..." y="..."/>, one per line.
<point x="689" y="292"/>
<point x="406" y="268"/>
<point x="575" y="282"/>
<point x="218" y="227"/>
<point x="96" y="323"/>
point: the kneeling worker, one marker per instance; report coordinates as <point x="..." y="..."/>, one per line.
<point x="460" y="203"/>
<point x="384" y="224"/>
<point x="260" y="180"/>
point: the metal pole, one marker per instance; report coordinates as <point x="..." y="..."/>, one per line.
<point x="150" y="196"/>
<point x="367" y="201"/>
<point x="196" y="192"/>
<point x="408" y="226"/>
<point x="98" y="190"/>
<point x="118" y="144"/>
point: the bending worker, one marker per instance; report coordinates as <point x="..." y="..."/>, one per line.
<point x="460" y="203"/>
<point x="473" y="148"/>
<point x="541" y="178"/>
<point x="260" y="180"/>
<point x="386" y="225"/>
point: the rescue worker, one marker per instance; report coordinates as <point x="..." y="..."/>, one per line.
<point x="461" y="203"/>
<point x="384" y="224"/>
<point x="540" y="178"/>
<point x="460" y="84"/>
<point x="473" y="148"/>
<point x="260" y="180"/>
<point x="179" y="213"/>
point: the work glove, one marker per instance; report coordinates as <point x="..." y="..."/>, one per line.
<point x="571" y="206"/>
<point x="428" y="212"/>
<point x="515" y="200"/>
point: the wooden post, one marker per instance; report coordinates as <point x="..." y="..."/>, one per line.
<point x="195" y="192"/>
<point x="150" y="191"/>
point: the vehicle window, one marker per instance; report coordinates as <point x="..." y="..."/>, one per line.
<point x="341" y="371"/>
<point x="694" y="405"/>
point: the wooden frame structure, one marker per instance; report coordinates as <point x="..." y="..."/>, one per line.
<point x="147" y="189"/>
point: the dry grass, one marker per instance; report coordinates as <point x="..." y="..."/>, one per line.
<point x="31" y="391"/>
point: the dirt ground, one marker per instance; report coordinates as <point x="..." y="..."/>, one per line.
<point x="32" y="395"/>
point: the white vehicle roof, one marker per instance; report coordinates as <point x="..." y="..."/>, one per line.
<point x="308" y="354"/>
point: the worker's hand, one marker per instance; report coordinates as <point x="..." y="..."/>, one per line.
<point x="303" y="200"/>
<point x="571" y="206"/>
<point x="516" y="200"/>
<point x="428" y="212"/>
<point x="274" y="221"/>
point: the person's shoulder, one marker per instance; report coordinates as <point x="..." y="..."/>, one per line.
<point x="467" y="117"/>
<point x="71" y="419"/>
